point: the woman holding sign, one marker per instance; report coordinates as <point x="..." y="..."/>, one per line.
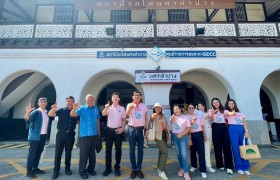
<point x="238" y="131"/>
<point x="162" y="135"/>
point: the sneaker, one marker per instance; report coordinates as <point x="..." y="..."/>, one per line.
<point x="140" y="174"/>
<point x="117" y="172"/>
<point x="133" y="174"/>
<point x="209" y="169"/>
<point x="38" y="171"/>
<point x="173" y="147"/>
<point x="204" y="175"/>
<point x="68" y="172"/>
<point x="146" y="146"/>
<point x="162" y="175"/>
<point x="192" y="169"/>
<point x="222" y="169"/>
<point x="240" y="172"/>
<point x="106" y="172"/>
<point x="31" y="175"/>
<point x="181" y="173"/>
<point x="229" y="171"/>
<point x="55" y="175"/>
<point x="158" y="171"/>
<point x="187" y="176"/>
<point x="247" y="173"/>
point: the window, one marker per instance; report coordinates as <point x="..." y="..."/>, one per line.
<point x="255" y="12"/>
<point x="178" y="15"/>
<point x="45" y="14"/>
<point x="240" y="13"/>
<point x="120" y="16"/>
<point x="63" y="14"/>
<point x="197" y="15"/>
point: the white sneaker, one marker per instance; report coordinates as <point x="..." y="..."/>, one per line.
<point x="158" y="171"/>
<point x="204" y="175"/>
<point x="209" y="169"/>
<point x="162" y="175"/>
<point x="240" y="172"/>
<point x="229" y="171"/>
<point x="192" y="169"/>
<point x="222" y="169"/>
<point x="247" y="173"/>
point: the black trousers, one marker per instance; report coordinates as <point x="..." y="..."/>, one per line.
<point x="63" y="141"/>
<point x="35" y="150"/>
<point x="222" y="146"/>
<point x="198" y="147"/>
<point x="87" y="152"/>
<point x="112" y="137"/>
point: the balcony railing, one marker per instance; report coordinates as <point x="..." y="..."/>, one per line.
<point x="50" y="31"/>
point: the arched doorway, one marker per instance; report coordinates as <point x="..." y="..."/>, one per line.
<point x="16" y="91"/>
<point x="270" y="102"/>
<point x="185" y="93"/>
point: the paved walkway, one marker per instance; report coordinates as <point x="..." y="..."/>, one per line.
<point x="13" y="164"/>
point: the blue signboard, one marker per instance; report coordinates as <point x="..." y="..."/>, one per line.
<point x="121" y="54"/>
<point x="191" y="54"/>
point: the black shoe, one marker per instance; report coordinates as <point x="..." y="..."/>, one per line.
<point x="106" y="172"/>
<point x="68" y="172"/>
<point x="31" y="175"/>
<point x="84" y="175"/>
<point x="91" y="172"/>
<point x="117" y="172"/>
<point x="140" y="174"/>
<point x="55" y="175"/>
<point x="133" y="174"/>
<point x="38" y="171"/>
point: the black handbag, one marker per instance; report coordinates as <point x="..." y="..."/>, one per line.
<point x="98" y="145"/>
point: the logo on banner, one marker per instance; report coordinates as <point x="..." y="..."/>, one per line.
<point x="156" y="54"/>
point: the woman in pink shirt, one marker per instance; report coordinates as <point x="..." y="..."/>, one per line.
<point x="220" y="137"/>
<point x="238" y="130"/>
<point x="181" y="126"/>
<point x="198" y="137"/>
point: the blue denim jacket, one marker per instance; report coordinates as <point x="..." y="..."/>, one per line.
<point x="35" y="125"/>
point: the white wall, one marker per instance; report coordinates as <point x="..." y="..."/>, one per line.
<point x="237" y="71"/>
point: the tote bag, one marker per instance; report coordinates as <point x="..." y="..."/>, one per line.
<point x="249" y="151"/>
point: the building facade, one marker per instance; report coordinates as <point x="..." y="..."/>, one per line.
<point x="52" y="49"/>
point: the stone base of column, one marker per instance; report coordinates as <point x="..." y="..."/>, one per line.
<point x="259" y="132"/>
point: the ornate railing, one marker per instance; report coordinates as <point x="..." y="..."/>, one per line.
<point x="138" y="30"/>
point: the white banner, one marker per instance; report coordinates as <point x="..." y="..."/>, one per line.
<point x="159" y="76"/>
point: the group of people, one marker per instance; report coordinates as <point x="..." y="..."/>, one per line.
<point x="195" y="127"/>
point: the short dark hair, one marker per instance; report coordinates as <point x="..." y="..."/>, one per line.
<point x="192" y="104"/>
<point x="116" y="93"/>
<point x="236" y="109"/>
<point x="70" y="97"/>
<point x="137" y="92"/>
<point x="180" y="106"/>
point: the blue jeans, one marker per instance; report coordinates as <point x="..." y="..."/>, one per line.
<point x="182" y="151"/>
<point x="136" y="136"/>
<point x="236" y="135"/>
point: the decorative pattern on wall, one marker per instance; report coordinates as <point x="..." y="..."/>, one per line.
<point x="218" y="29"/>
<point x="175" y="30"/>
<point x="133" y="31"/>
<point x="54" y="31"/>
<point x="16" y="31"/>
<point x="258" y="29"/>
<point x="92" y="31"/>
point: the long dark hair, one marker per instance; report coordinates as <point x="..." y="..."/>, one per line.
<point x="202" y="104"/>
<point x="221" y="107"/>
<point x="235" y="106"/>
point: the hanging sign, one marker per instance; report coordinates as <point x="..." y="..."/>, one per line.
<point x="153" y="4"/>
<point x="157" y="76"/>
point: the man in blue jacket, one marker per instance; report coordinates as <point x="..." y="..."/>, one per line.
<point x="38" y="121"/>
